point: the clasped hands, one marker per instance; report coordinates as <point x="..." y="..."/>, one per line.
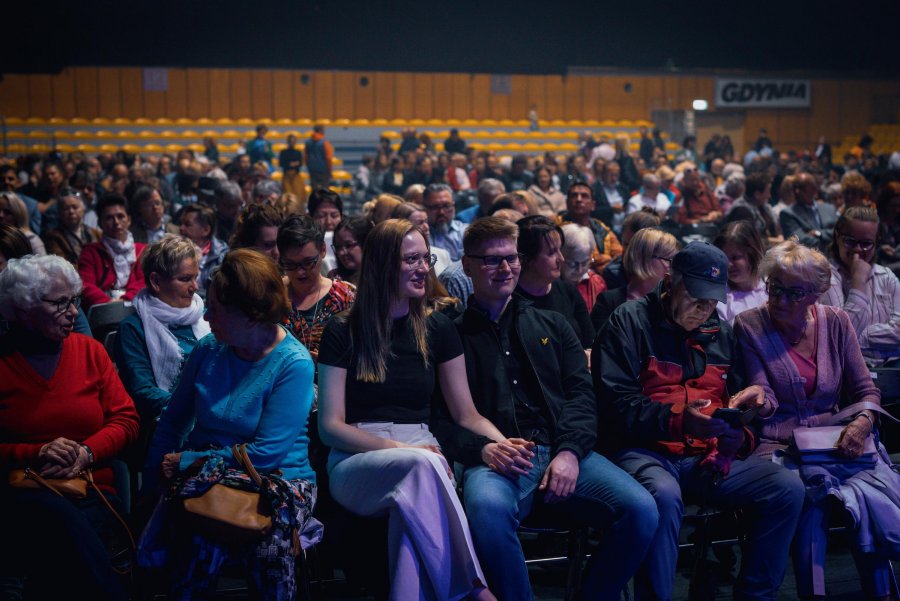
<point x="63" y="458"/>
<point x="512" y="458"/>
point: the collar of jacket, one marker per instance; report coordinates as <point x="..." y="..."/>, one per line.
<point x="658" y="305"/>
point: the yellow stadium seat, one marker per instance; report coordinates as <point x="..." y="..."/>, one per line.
<point x="196" y="147"/>
<point x="174" y="147"/>
<point x="57" y="121"/>
<point x="228" y="147"/>
<point x="434" y="122"/>
<point x="245" y="121"/>
<point x="80" y="133"/>
<point x="557" y="123"/>
<point x="189" y="133"/>
<point x="672" y="146"/>
<point x="153" y="148"/>
<point x="40" y="148"/>
<point x="108" y="148"/>
<point x="35" y="121"/>
<point x="277" y="175"/>
<point x="514" y="146"/>
<point x="65" y="147"/>
<point x="204" y="121"/>
<point x="379" y="121"/>
<point x="551" y="146"/>
<point x="142" y="121"/>
<point x="231" y="133"/>
<point x="146" y="133"/>
<point x="395" y="147"/>
<point x="16" y="135"/>
<point x="417" y="122"/>
<point x="100" y="121"/>
<point x="489" y="122"/>
<point x="121" y="121"/>
<point x="163" y="121"/>
<point x="531" y="146"/>
<point x="103" y="133"/>
<point x="284" y="122"/>
<point x="72" y="121"/>
<point x="341" y="174"/>
<point x="494" y="146"/>
<point x="224" y="121"/>
<point x="634" y="146"/>
<point x="400" y="122"/>
<point x="523" y="123"/>
<point x="478" y="146"/>
<point x="338" y="161"/>
<point x="342" y="122"/>
<point x="184" y="121"/>
<point x="305" y="121"/>
<point x="453" y="122"/>
<point x="506" y="123"/>
<point x="14" y="121"/>
<point x="568" y="146"/>
<point x="124" y="133"/>
<point x="483" y="134"/>
<point x="626" y="123"/>
<point x="471" y="122"/>
<point x="439" y="147"/>
<point x="37" y="133"/>
<point x="167" y="133"/>
<point x="132" y="148"/>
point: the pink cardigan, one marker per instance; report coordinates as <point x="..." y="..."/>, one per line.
<point x="842" y="377"/>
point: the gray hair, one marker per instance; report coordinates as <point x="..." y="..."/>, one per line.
<point x="651" y="179"/>
<point x="791" y="257"/>
<point x="833" y="191"/>
<point x="26" y="280"/>
<point x="490" y="187"/>
<point x="267" y="187"/>
<point x="228" y="191"/>
<point x="579" y="240"/>
<point x="166" y="255"/>
<point x="413" y="191"/>
<point x="734" y="186"/>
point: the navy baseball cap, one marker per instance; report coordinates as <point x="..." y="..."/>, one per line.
<point x="704" y="269"/>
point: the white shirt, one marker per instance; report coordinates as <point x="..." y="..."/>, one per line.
<point x="740" y="301"/>
<point x="660" y="204"/>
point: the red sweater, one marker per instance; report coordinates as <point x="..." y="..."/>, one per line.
<point x="83" y="401"/>
<point x="98" y="273"/>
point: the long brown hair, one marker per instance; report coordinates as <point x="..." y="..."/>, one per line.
<point x="379" y="282"/>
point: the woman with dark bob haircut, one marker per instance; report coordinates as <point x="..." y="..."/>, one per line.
<point x="249" y="383"/>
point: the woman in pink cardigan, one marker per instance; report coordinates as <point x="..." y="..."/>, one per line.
<point x="808" y="360"/>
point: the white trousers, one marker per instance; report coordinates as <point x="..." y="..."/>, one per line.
<point x="431" y="556"/>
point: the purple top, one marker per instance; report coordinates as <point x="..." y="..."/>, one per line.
<point x="842" y="377"/>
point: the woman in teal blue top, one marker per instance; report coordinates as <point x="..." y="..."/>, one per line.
<point x="251" y="382"/>
<point x="153" y="343"/>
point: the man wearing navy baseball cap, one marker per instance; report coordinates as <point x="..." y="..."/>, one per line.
<point x="663" y="365"/>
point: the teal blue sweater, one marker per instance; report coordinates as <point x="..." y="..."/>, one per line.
<point x="133" y="361"/>
<point x="222" y="400"/>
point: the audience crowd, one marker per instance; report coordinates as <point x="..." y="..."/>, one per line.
<point x="464" y="343"/>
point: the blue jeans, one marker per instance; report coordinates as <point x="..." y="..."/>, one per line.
<point x="771" y="496"/>
<point x="605" y="498"/>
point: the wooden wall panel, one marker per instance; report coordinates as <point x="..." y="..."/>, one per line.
<point x="176" y="95"/>
<point x="443" y="96"/>
<point x="572" y="99"/>
<point x="131" y="86"/>
<point x="62" y="86"/>
<point x="364" y="96"/>
<point x="197" y="106"/>
<point x="282" y="95"/>
<point x="481" y="96"/>
<point x="500" y="106"/>
<point x="856" y="105"/>
<point x="344" y="95"/>
<point x="261" y="94"/>
<point x="404" y="95"/>
<point x="303" y="95"/>
<point x="553" y="86"/>
<point x="323" y="94"/>
<point x="383" y="85"/>
<point x="154" y="104"/>
<point x="14" y="101"/>
<point x="518" y="102"/>
<point x="109" y="92"/>
<point x="461" y="93"/>
<point x="239" y="90"/>
<point x="423" y="95"/>
<point x="87" y="93"/>
<point x="590" y="97"/>
<point x="536" y="94"/>
<point x="40" y="96"/>
<point x="219" y="93"/>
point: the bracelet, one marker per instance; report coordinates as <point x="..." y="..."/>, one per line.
<point x="866" y="415"/>
<point x="89" y="452"/>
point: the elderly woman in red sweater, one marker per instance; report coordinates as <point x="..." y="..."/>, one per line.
<point x="808" y="361"/>
<point x="64" y="410"/>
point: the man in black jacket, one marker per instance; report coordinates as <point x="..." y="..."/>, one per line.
<point x="663" y="365"/>
<point x="528" y="375"/>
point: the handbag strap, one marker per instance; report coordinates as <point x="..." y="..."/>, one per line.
<point x="33" y="475"/>
<point x="240" y="455"/>
<point x="854" y="409"/>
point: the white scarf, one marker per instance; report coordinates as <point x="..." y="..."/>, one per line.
<point x="123" y="257"/>
<point x="157" y="316"/>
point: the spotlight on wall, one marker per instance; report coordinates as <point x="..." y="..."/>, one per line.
<point x="700" y="104"/>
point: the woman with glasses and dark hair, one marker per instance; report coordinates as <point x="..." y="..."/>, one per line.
<point x="64" y="410"/>
<point x="807" y="359"/>
<point x="378" y="368"/>
<point x="314" y="298"/>
<point x="67" y="239"/>
<point x="868" y="292"/>
<point x="349" y="238"/>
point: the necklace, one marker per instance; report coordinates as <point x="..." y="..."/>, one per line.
<point x="802" y="333"/>
<point x="307" y="328"/>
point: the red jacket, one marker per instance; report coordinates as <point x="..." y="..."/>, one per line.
<point x="98" y="274"/>
<point x="83" y="401"/>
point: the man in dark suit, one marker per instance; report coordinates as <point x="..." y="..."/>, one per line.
<point x="812" y="222"/>
<point x="611" y="196"/>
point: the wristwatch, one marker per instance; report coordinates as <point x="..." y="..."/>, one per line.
<point x="89" y="452"/>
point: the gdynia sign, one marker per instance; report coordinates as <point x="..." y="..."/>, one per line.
<point x="762" y="93"/>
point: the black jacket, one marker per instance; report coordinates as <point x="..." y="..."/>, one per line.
<point x="646" y="369"/>
<point x="554" y="353"/>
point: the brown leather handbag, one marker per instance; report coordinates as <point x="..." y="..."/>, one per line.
<point x="74" y="488"/>
<point x="227" y="513"/>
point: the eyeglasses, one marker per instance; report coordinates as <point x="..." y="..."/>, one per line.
<point x="494" y="261"/>
<point x="342" y="247"/>
<point x="305" y="264"/>
<point x="573" y="264"/>
<point x="863" y="245"/>
<point x="440" y="207"/>
<point x="795" y="295"/>
<point x="665" y="260"/>
<point x="62" y="304"/>
<point x="417" y="259"/>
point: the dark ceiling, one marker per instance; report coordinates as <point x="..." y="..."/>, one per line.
<point x="466" y="36"/>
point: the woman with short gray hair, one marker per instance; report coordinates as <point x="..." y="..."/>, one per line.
<point x="67" y="239"/>
<point x="577" y="261"/>
<point x="64" y="411"/>
<point x="153" y="343"/>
